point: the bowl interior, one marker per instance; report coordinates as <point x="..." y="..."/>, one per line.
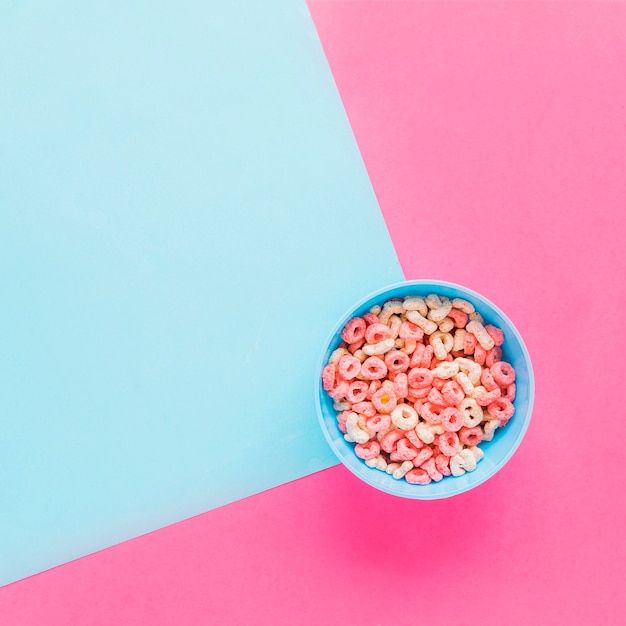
<point x="506" y="440"/>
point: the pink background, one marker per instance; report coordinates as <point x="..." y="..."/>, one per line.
<point x="495" y="137"/>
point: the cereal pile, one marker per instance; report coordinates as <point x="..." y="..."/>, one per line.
<point x="418" y="384"/>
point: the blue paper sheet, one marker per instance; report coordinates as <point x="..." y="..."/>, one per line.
<point x="184" y="214"/>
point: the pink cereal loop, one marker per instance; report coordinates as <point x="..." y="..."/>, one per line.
<point x="470" y="436"/>
<point x="435" y="397"/>
<point x="509" y="392"/>
<point x="364" y="408"/>
<point x="496" y="334"/>
<point x="442" y="463"/>
<point x="411" y="435"/>
<point x="486" y="399"/>
<point x="503" y="373"/>
<point x="397" y="361"/>
<point x="341" y="421"/>
<point x="410" y="332"/>
<point x="379" y="423"/>
<point x="328" y="377"/>
<point x="370" y="319"/>
<point x="431" y="467"/>
<point x="416" y="357"/>
<point x="348" y="367"/>
<point x="357" y="345"/>
<point x="375" y="385"/>
<point x="384" y="400"/>
<point x="389" y="441"/>
<point x="405" y="451"/>
<point x="429" y="415"/>
<point x="417" y="476"/>
<point x="427" y="356"/>
<point x="469" y="344"/>
<point x="420" y="377"/>
<point x="448" y="443"/>
<point x="367" y="450"/>
<point x="458" y="317"/>
<point x="373" y="368"/>
<point x="422" y="456"/>
<point x="480" y="354"/>
<point x="493" y="356"/>
<point x="354" y="330"/>
<point x="451" y="419"/>
<point x="377" y="332"/>
<point x="400" y="385"/>
<point x="487" y="380"/>
<point x="357" y="391"/>
<point x="340" y="389"/>
<point x="452" y="393"/>
<point x="501" y="409"/>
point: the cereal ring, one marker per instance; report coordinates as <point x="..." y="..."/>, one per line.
<point x="373" y="368"/>
<point x="428" y="326"/>
<point x="477" y="452"/>
<point x="432" y="470"/>
<point x="469" y="344"/>
<point x="426" y="432"/>
<point x="501" y="409"/>
<point x="480" y="354"/>
<point x="378" y="463"/>
<point x="464" y="382"/>
<point x="354" y="330"/>
<point x="446" y="369"/>
<point x="357" y="392"/>
<point x="471" y="412"/>
<point x="400" y="385"/>
<point x="364" y="408"/>
<point x="420" y="377"/>
<point x="482" y="336"/>
<point x="451" y="419"/>
<point x="389" y="441"/>
<point x="341" y="406"/>
<point x="404" y="451"/>
<point x="446" y="325"/>
<point x="433" y="301"/>
<point x="384" y="400"/>
<point x="413" y="303"/>
<point x="416" y="357"/>
<point x="485" y="399"/>
<point x="493" y="356"/>
<point x="476" y="317"/>
<point x="410" y="332"/>
<point x="419" y="394"/>
<point x="379" y="348"/>
<point x="370" y="318"/>
<point x="375" y="310"/>
<point x="357" y="345"/>
<point x="394" y="326"/>
<point x="440" y="313"/>
<point x="490" y="429"/>
<point x="391" y="307"/>
<point x="428" y="412"/>
<point x="337" y="354"/>
<point x="458" y="317"/>
<point x="368" y="450"/>
<point x="435" y="397"/>
<point x="469" y="460"/>
<point x="376" y="333"/>
<point x="417" y="476"/>
<point x="423" y="455"/>
<point x="449" y="443"/>
<point x="509" y="392"/>
<point x="411" y="435"/>
<point x="442" y="344"/>
<point x="427" y="357"/>
<point x="356" y="429"/>
<point x="341" y="421"/>
<point x="340" y="390"/>
<point x="442" y="463"/>
<point x="409" y="347"/>
<point x="348" y="367"/>
<point x="470" y="368"/>
<point x="379" y="423"/>
<point x="404" y="416"/>
<point x="470" y="436"/>
<point x="375" y="385"/>
<point x="496" y="334"/>
<point x="452" y="393"/>
<point x="401" y="471"/>
<point x="487" y="380"/>
<point x="438" y="383"/>
<point x="456" y="465"/>
<point x="328" y="377"/>
<point x="463" y="305"/>
<point x="503" y="373"/>
<point x="397" y="361"/>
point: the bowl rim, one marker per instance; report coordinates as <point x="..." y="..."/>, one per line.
<point x="419" y="494"/>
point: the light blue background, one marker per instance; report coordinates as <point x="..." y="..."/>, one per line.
<point x="184" y="215"/>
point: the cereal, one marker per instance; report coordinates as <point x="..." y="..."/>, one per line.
<point x="418" y="385"/>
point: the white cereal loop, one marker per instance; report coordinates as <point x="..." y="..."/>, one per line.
<point x="342" y="406"/>
<point x="441" y="343"/>
<point x="478" y="391"/>
<point x="402" y="470"/>
<point x="359" y="354"/>
<point x="426" y="432"/>
<point x="375" y="310"/>
<point x="409" y="347"/>
<point x="490" y="429"/>
<point x="392" y="467"/>
<point x="377" y="462"/>
<point x="476" y="317"/>
<point x="428" y="326"/>
<point x="477" y="452"/>
<point x="463" y="305"/>
<point x="469" y="460"/>
<point x="399" y="344"/>
<point x="464" y="383"/>
<point x="415" y="304"/>
<point x="471" y="368"/>
<point x="433" y="301"/>
<point x="394" y="325"/>
<point x="404" y="416"/>
<point x="438" y="314"/>
<point x="482" y="336"/>
<point x="337" y="354"/>
<point x="372" y="349"/>
<point x="456" y="465"/>
<point x="446" y="324"/>
<point x="471" y="412"/>
<point x="459" y="339"/>
<point x="446" y="369"/>
<point x="355" y="432"/>
<point x="391" y="307"/>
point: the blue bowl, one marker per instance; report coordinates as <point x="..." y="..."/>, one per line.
<point x="506" y="439"/>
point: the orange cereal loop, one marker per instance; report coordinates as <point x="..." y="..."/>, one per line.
<point x="373" y="368"/>
<point x="417" y="476"/>
<point x="377" y="332"/>
<point x="357" y="392"/>
<point x="435" y="397"/>
<point x="384" y="400"/>
<point x="427" y="357"/>
<point x="438" y="384"/>
<point x="354" y="330"/>
<point x="410" y="332"/>
<point x="368" y="450"/>
<point x="429" y="413"/>
<point x="348" y="367"/>
<point x="470" y="436"/>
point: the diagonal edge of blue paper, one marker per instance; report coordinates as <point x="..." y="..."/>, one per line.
<point x="184" y="214"/>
